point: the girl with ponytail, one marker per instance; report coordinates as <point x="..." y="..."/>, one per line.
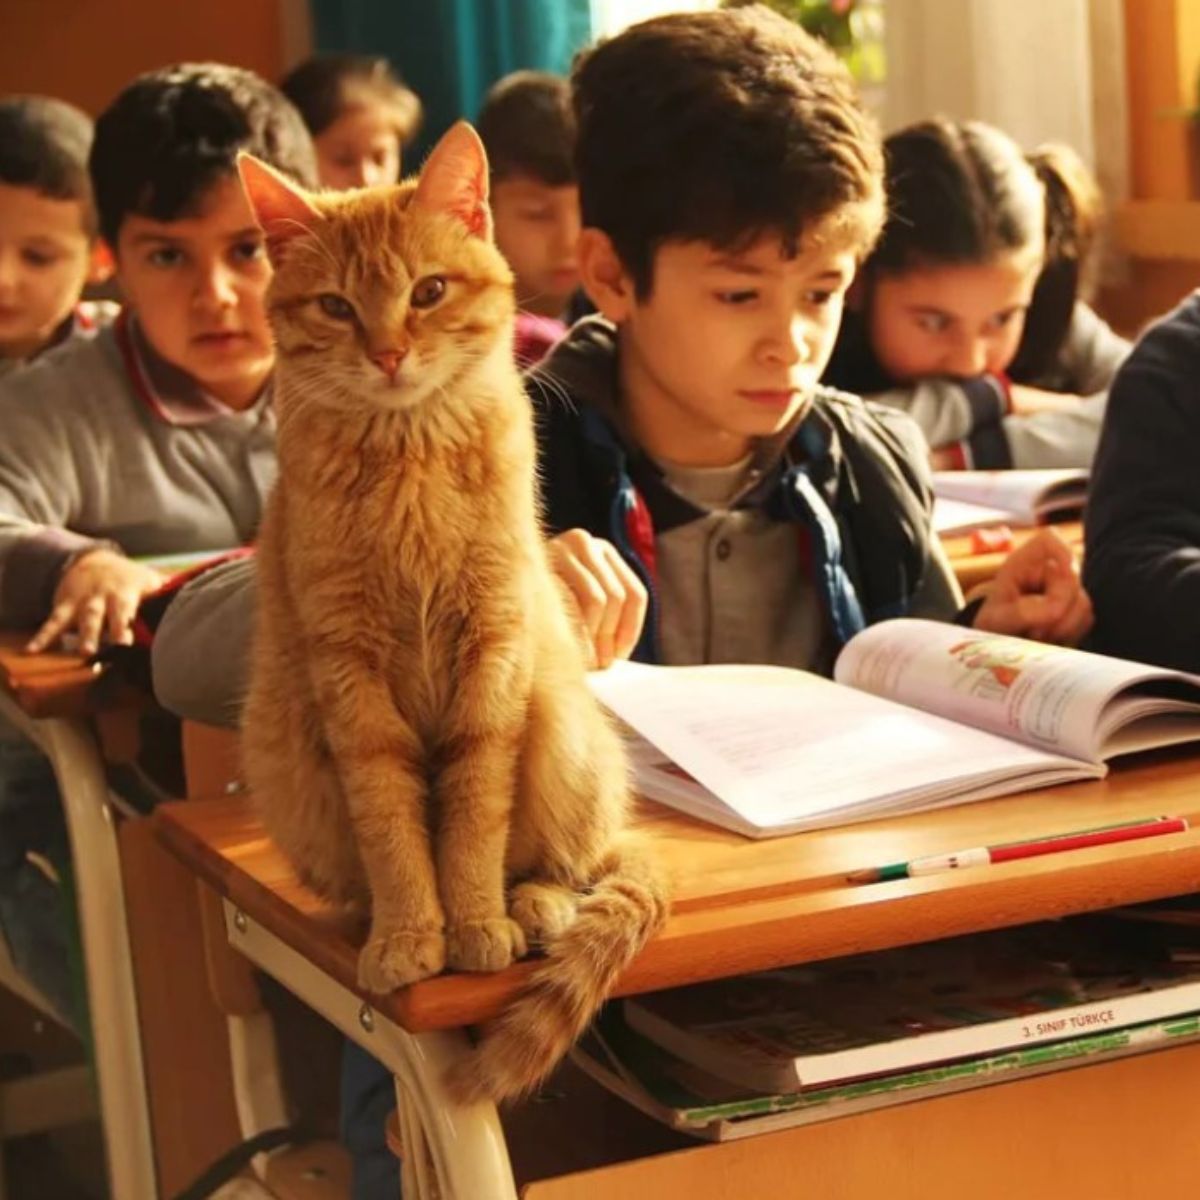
<point x="967" y="314"/>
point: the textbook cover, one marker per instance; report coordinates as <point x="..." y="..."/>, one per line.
<point x="910" y="1007"/>
<point x="687" y="1098"/>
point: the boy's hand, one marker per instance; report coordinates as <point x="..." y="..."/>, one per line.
<point x="610" y="598"/>
<point x="1028" y="400"/>
<point x="1037" y="594"/>
<point x="98" y="593"/>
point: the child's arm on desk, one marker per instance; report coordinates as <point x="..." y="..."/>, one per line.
<point x="201" y="649"/>
<point x="200" y="655"/>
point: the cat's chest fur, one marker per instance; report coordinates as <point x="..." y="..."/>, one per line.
<point x="427" y="547"/>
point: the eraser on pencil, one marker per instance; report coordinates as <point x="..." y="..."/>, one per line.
<point x="993" y="540"/>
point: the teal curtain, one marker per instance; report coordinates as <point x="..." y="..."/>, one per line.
<point x="451" y="51"/>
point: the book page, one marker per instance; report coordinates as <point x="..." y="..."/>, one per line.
<point x="958" y="516"/>
<point x="1027" y="495"/>
<point x="785" y="748"/>
<point x="1051" y="696"/>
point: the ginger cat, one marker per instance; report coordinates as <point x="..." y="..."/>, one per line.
<point x="418" y="734"/>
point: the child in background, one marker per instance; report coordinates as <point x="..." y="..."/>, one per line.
<point x="966" y="314"/>
<point x="528" y="131"/>
<point x="155" y="436"/>
<point x="48" y="244"/>
<point x="360" y="116"/>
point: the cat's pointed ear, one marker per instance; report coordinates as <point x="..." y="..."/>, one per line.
<point x="454" y="180"/>
<point x="281" y="209"/>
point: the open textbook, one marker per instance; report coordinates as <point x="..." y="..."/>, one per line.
<point x="1022" y="497"/>
<point x="920" y="714"/>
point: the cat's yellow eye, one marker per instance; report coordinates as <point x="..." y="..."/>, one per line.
<point x="335" y="306"/>
<point x="428" y="291"/>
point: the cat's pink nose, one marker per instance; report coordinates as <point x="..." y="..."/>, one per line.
<point x="388" y="361"/>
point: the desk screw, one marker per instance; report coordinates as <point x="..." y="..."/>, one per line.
<point x="239" y="921"/>
<point x="366" y="1018"/>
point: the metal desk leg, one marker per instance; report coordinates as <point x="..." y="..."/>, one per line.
<point x="74" y="754"/>
<point x="450" y="1152"/>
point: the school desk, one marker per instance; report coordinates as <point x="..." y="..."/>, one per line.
<point x="972" y="568"/>
<point x="143" y="942"/>
<point x="1122" y="1130"/>
<point x="52" y="698"/>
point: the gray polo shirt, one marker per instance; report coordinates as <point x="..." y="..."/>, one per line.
<point x="736" y="586"/>
<point x="101" y="441"/>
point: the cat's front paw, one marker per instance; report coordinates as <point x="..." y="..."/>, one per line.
<point x="488" y="945"/>
<point x="543" y="910"/>
<point x="392" y="960"/>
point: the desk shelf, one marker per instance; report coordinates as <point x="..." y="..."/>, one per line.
<point x="1122" y="1129"/>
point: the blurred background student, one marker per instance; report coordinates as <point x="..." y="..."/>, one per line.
<point x="967" y="313"/>
<point x="528" y="130"/>
<point x="360" y="115"/>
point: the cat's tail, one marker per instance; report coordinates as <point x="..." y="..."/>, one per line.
<point x="625" y="907"/>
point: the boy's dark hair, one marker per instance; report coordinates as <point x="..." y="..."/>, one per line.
<point x="720" y="127"/>
<point x="172" y="133"/>
<point x="44" y="146"/>
<point x="963" y="193"/>
<point x="327" y="85"/>
<point x="528" y="128"/>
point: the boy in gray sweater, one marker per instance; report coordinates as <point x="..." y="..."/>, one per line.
<point x="155" y="436"/>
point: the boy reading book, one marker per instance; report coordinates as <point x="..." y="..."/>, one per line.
<point x="768" y="518"/>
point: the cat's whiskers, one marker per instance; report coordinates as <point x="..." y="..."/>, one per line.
<point x="556" y="388"/>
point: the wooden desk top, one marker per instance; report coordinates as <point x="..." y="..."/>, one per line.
<point x="971" y="569"/>
<point x="742" y="905"/>
<point x="51" y="684"/>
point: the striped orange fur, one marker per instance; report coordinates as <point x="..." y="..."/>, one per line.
<point x="418" y="734"/>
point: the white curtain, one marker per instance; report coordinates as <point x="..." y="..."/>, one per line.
<point x="1041" y="70"/>
<point x="611" y="16"/>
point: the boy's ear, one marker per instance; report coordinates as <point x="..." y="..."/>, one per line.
<point x="101" y="263"/>
<point x="454" y="180"/>
<point x="603" y="275"/>
<point x="281" y="209"/>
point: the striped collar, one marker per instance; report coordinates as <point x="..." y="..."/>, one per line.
<point x="171" y="394"/>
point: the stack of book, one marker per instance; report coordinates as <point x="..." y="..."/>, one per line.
<point x="760" y="1052"/>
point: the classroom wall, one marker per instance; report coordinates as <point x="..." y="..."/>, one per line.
<point x="85" y="51"/>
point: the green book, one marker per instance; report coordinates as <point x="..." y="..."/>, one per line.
<point x="861" y="1017"/>
<point x="687" y="1098"/>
